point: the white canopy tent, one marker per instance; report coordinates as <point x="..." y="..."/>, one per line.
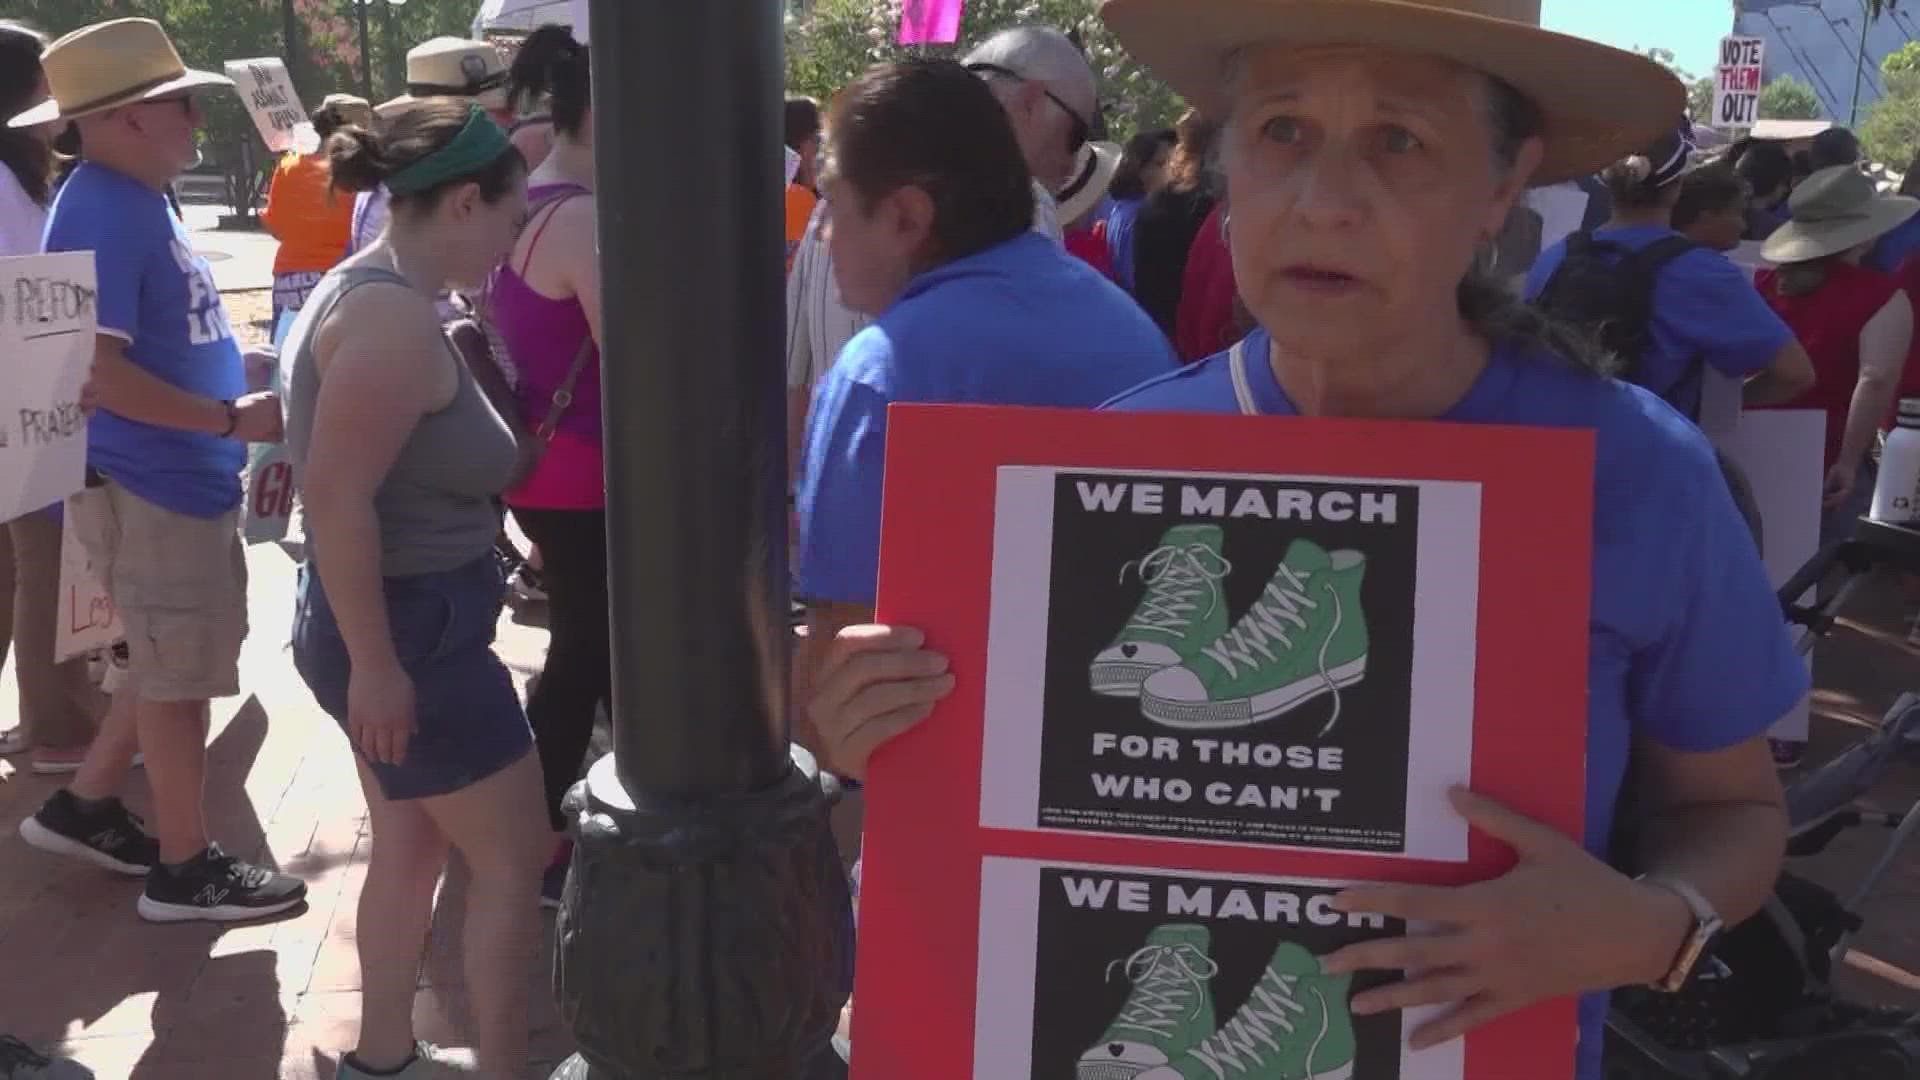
<point x="524" y="16"/>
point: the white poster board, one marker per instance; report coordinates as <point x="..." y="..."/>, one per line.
<point x="267" y="91"/>
<point x="47" y="323"/>
<point x="1736" y="82"/>
<point x="266" y="509"/>
<point x="87" y="617"/>
<point x="1782" y="452"/>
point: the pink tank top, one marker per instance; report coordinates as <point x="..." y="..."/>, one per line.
<point x="543" y="336"/>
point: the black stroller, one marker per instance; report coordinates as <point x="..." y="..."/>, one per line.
<point x="1762" y="1005"/>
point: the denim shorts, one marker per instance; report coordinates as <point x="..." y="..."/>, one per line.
<point x="470" y="723"/>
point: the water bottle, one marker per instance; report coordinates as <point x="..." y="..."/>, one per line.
<point x="1896" y="495"/>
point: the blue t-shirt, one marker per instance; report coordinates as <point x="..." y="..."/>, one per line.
<point x="1022" y="323"/>
<point x="160" y="296"/>
<point x="1893" y="248"/>
<point x="1704" y="308"/>
<point x="1687" y="643"/>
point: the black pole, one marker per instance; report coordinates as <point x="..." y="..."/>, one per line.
<point x="290" y="30"/>
<point x="704" y="929"/>
<point x="366" y="51"/>
<point x="396" y="64"/>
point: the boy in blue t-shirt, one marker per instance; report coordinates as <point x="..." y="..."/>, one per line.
<point x="160" y="514"/>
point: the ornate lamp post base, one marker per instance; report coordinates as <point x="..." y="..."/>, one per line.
<point x="708" y="940"/>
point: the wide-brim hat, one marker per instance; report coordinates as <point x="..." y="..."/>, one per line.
<point x="108" y="65"/>
<point x="1092" y="176"/>
<point x="454" y="67"/>
<point x="350" y="108"/>
<point x="1597" y="103"/>
<point x="1835" y="210"/>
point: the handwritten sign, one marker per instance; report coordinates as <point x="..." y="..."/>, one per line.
<point x="1736" y="82"/>
<point x="268" y="93"/>
<point x="47" y="323"/>
<point x="87" y="618"/>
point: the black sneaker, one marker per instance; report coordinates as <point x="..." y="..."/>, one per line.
<point x="216" y="887"/>
<point x="105" y="834"/>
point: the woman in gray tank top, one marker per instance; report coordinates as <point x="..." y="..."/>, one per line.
<point x="401" y="460"/>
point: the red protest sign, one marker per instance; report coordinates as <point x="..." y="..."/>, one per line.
<point x="1210" y="670"/>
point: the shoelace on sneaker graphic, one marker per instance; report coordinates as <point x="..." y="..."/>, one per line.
<point x="1250" y="643"/>
<point x="1175" y="576"/>
<point x="1169" y="988"/>
<point x="230" y="867"/>
<point x="1248" y="1040"/>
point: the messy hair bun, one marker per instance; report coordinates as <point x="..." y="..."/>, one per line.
<point x="358" y="161"/>
<point x="362" y="160"/>
<point x="552" y="65"/>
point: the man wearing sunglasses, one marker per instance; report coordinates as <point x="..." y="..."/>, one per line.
<point x="1044" y="82"/>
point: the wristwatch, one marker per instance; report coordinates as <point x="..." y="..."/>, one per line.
<point x="1706" y="926"/>
<point x="233" y="419"/>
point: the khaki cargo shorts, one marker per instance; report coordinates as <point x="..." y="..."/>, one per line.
<point x="180" y="586"/>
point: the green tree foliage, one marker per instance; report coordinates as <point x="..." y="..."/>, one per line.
<point x="1699" y="88"/>
<point x="1787" y="98"/>
<point x="1890" y="134"/>
<point x="1903" y="60"/>
<point x="831" y="44"/>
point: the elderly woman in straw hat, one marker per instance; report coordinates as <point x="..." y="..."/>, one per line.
<point x="1372" y="150"/>
<point x="1856" y="323"/>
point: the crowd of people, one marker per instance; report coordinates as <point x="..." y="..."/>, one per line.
<point x="1329" y="231"/>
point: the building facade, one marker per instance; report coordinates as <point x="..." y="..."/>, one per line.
<point x="1818" y="42"/>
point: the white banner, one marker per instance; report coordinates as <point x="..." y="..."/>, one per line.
<point x="88" y="619"/>
<point x="267" y="507"/>
<point x="47" y="324"/>
<point x="267" y="91"/>
<point x="1736" y="82"/>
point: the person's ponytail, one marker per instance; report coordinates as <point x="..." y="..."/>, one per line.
<point x="552" y="66"/>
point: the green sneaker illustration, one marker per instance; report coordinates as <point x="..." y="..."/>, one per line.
<point x="1295" y="1026"/>
<point x="1183" y="609"/>
<point x="1305" y="636"/>
<point x="1169" y="1011"/>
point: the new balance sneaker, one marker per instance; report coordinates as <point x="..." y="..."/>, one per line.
<point x="216" y="887"/>
<point x="1182" y="609"/>
<point x="1169" y="1011"/>
<point x="104" y="833"/>
<point x="1305" y="636"/>
<point x="428" y="1062"/>
<point x="1294" y="1026"/>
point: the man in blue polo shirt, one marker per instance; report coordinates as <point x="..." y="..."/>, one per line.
<point x="160" y="514"/>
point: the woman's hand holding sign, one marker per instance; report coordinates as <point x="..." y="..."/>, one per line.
<point x="874" y="682"/>
<point x="1559" y="923"/>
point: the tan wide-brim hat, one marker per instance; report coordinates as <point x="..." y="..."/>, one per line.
<point x="1598" y="103"/>
<point x="454" y="67"/>
<point x="110" y="64"/>
<point x="1835" y="210"/>
<point x="1092" y="176"/>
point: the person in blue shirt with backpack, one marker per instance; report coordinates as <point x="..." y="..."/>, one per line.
<point x="1671" y="308"/>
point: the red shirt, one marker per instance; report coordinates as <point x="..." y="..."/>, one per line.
<point x="1828" y="322"/>
<point x="1206" y="324"/>
<point x="1091" y="246"/>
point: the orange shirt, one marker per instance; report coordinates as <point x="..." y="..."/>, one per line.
<point x="800" y="203"/>
<point x="308" y="217"/>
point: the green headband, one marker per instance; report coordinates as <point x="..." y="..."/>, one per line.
<point x="478" y="145"/>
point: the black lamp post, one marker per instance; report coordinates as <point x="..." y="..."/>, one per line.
<point x="366" y="41"/>
<point x="704" y="930"/>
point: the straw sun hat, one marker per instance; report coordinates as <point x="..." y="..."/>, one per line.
<point x="1599" y="103"/>
<point x="1835" y="210"/>
<point x="110" y="64"/>
<point x="1092" y="176"/>
<point x="453" y="67"/>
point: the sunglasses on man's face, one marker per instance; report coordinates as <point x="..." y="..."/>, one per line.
<point x="1077" y="135"/>
<point x="185" y="101"/>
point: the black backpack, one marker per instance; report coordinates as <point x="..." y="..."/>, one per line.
<point x="1607" y="289"/>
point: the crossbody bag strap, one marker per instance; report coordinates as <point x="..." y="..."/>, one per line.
<point x="563" y="394"/>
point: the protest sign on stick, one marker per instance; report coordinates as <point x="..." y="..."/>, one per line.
<point x="47" y="323"/>
<point x="267" y="91"/>
<point x="1736" y="82"/>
